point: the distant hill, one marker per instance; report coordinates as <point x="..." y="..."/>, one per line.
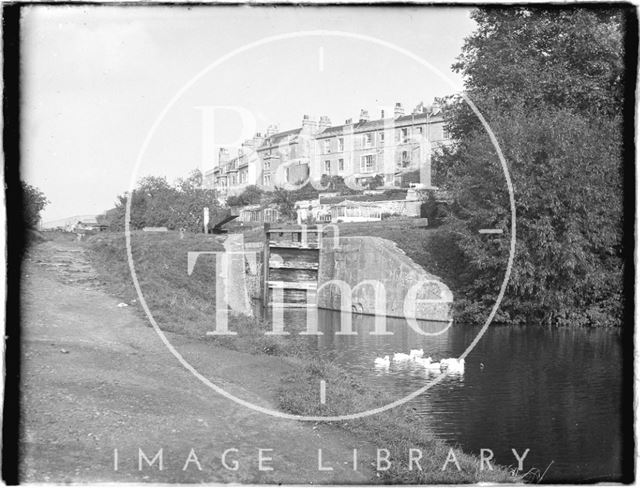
<point x="69" y="221"/>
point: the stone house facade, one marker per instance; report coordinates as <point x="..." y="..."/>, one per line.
<point x="356" y="150"/>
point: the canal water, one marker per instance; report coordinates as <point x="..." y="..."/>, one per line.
<point x="556" y="392"/>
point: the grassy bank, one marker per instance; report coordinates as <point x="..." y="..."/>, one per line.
<point x="425" y="245"/>
<point x="180" y="303"/>
<point x="185" y="304"/>
<point x="398" y="430"/>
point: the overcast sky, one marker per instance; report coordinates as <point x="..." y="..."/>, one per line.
<point x="96" y="79"/>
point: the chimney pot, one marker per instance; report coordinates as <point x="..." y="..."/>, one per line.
<point x="309" y="124"/>
<point x="324" y="123"/>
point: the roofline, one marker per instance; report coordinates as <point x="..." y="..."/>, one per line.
<point x="366" y="126"/>
<point x="358" y="128"/>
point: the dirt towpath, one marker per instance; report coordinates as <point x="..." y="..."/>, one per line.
<point x="97" y="378"/>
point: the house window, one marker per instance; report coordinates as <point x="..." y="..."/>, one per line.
<point x="327" y="167"/>
<point x="420" y="130"/>
<point x="267" y="179"/>
<point x="381" y="137"/>
<point x="367" y="139"/>
<point x="406" y="159"/>
<point x="445" y="133"/>
<point x="340" y="164"/>
<point x="405" y="134"/>
<point x="341" y="143"/>
<point x="327" y="146"/>
<point x="366" y="164"/>
<point x="267" y="165"/>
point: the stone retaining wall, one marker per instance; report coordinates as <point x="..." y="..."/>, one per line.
<point x="382" y="279"/>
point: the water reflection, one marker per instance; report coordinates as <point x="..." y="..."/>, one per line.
<point x="557" y="392"/>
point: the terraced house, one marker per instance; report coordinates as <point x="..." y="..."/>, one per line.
<point x="359" y="151"/>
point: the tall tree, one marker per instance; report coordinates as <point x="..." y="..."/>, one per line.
<point x="34" y="203"/>
<point x="550" y="84"/>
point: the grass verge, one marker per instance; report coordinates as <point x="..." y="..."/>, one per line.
<point x="185" y="304"/>
<point x="181" y="303"/>
<point x="398" y="430"/>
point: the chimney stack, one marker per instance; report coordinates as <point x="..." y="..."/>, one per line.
<point x="364" y="115"/>
<point x="398" y="111"/>
<point x="348" y="122"/>
<point x="308" y="124"/>
<point x="324" y="123"/>
<point x="223" y="156"/>
<point x="382" y="114"/>
<point x="258" y="139"/>
<point x="419" y="109"/>
<point x="272" y="129"/>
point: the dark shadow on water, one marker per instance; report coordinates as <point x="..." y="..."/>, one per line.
<point x="556" y="392"/>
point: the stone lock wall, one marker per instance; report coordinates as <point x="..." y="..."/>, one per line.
<point x="365" y="263"/>
<point x="374" y="273"/>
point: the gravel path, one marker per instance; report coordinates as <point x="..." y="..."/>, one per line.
<point x="97" y="378"/>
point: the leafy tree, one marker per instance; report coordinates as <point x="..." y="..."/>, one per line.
<point x="251" y="195"/>
<point x="550" y="85"/>
<point x="34" y="203"/>
<point x="156" y="203"/>
<point x="286" y="203"/>
<point x="565" y="58"/>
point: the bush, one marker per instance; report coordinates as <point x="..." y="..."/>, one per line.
<point x="34" y="202"/>
<point x="252" y="195"/>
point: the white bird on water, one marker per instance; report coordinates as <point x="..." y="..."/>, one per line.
<point x="416" y="353"/>
<point x="453" y="365"/>
<point x="423" y="361"/>
<point x="431" y="366"/>
<point x="400" y="356"/>
<point x="382" y="362"/>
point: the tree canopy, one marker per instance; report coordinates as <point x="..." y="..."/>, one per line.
<point x="34" y="201"/>
<point x="550" y="84"/>
<point x="157" y="203"/>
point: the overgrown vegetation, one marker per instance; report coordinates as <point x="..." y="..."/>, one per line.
<point x="251" y="195"/>
<point x="181" y="303"/>
<point x="34" y="201"/>
<point x="157" y="203"/>
<point x="550" y="85"/>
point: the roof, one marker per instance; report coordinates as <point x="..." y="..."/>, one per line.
<point x="400" y="194"/>
<point x="351" y="203"/>
<point x="358" y="127"/>
<point x="276" y="139"/>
